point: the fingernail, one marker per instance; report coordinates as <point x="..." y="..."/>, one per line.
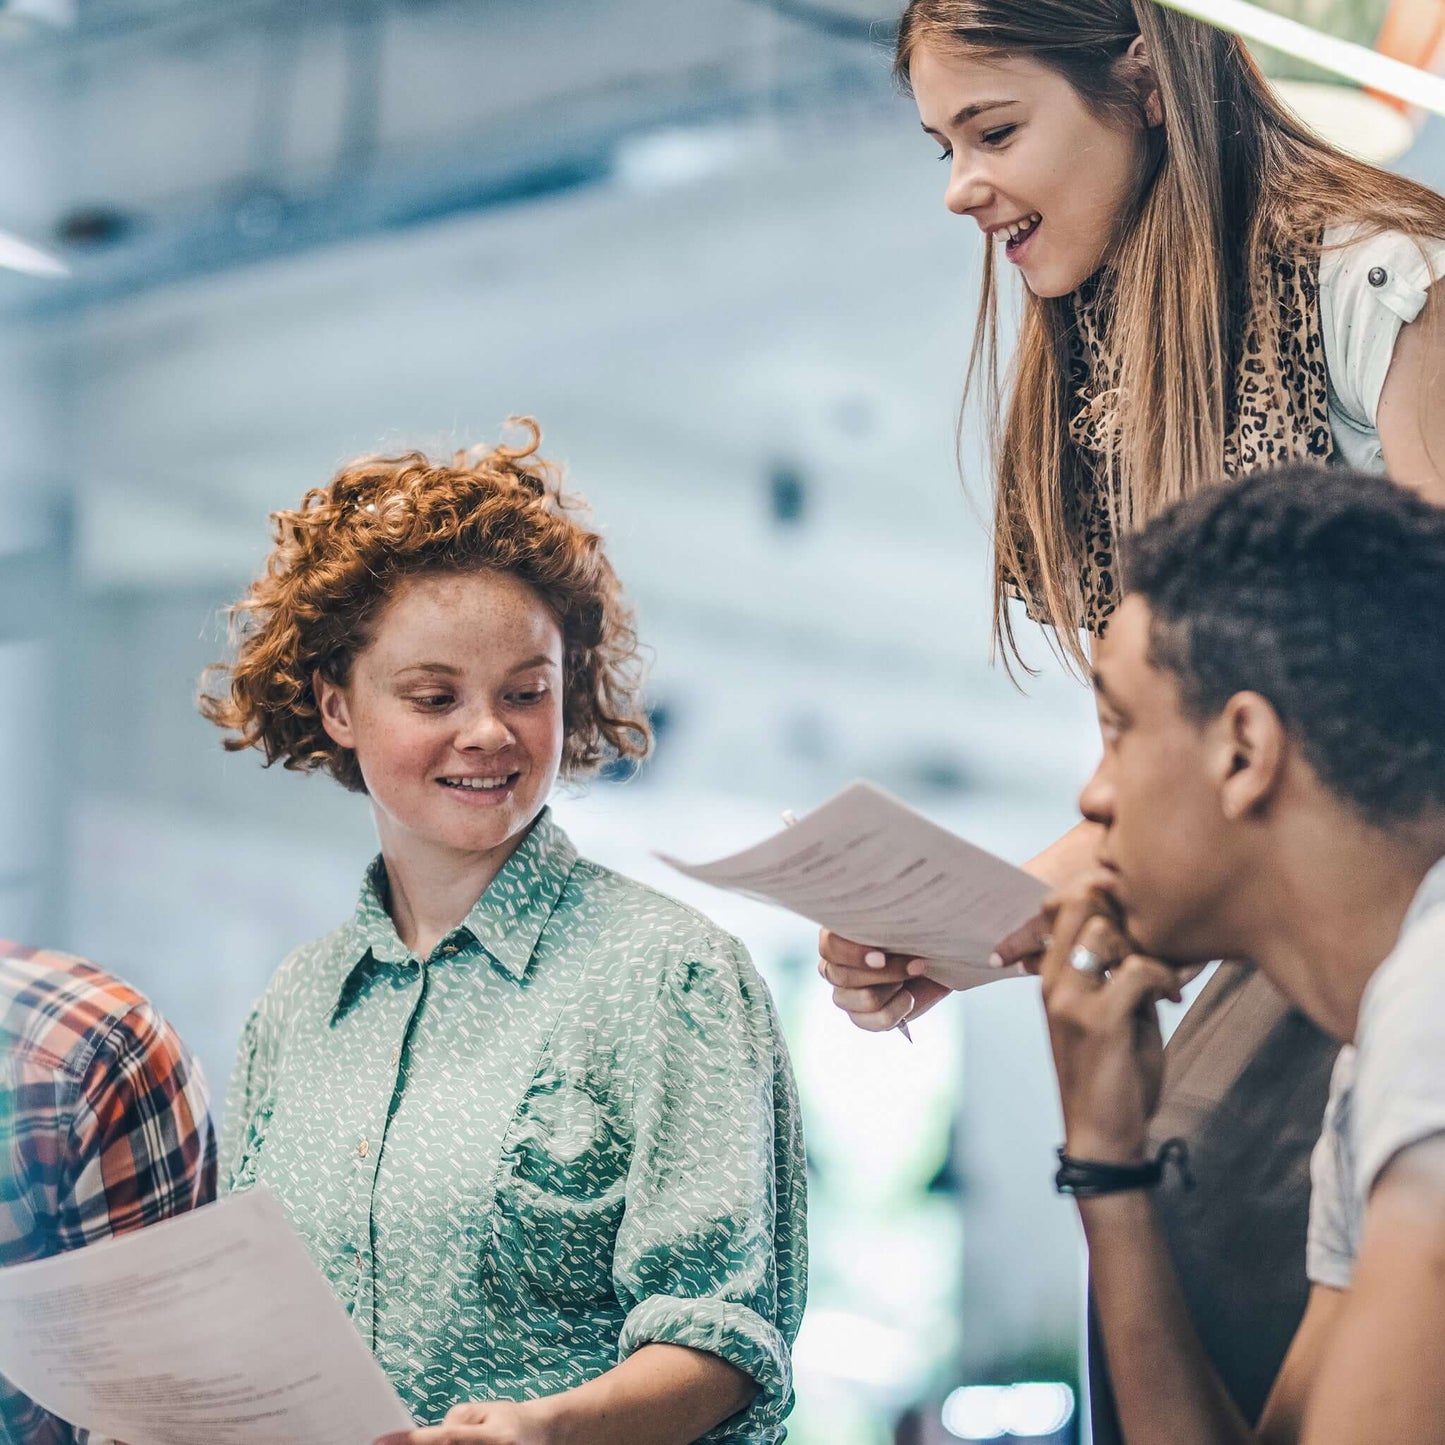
<point x="995" y="960"/>
<point x="823" y="968"/>
<point x="916" y="967"/>
<point x="874" y="959"/>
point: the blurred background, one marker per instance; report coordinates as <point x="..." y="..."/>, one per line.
<point x="703" y="242"/>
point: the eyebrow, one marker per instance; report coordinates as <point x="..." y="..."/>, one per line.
<point x="972" y="112"/>
<point x="442" y="667"/>
<point x="447" y="670"/>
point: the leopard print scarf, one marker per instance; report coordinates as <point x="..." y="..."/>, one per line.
<point x="1279" y="413"/>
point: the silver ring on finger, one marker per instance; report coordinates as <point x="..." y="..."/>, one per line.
<point x="1085" y="960"/>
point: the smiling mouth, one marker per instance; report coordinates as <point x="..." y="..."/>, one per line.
<point x="1017" y="232"/>
<point x="495" y="784"/>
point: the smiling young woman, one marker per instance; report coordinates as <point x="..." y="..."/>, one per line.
<point x="535" y="1122"/>
<point x="1209" y="289"/>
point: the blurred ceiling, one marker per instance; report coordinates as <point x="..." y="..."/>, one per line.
<point x="744" y="333"/>
<point x="701" y="240"/>
<point x="150" y="140"/>
<point x="168" y="139"/>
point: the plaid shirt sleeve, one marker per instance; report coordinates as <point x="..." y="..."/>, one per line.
<point x="142" y="1146"/>
<point x="108" y="1129"/>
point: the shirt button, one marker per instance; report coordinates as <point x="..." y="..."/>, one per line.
<point x="395" y="1057"/>
<point x="363" y="1149"/>
<point x="1378" y="276"/>
<point x="448" y="950"/>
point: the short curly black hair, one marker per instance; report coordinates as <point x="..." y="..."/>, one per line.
<point x="1322" y="589"/>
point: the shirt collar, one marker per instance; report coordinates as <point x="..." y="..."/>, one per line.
<point x="1429" y="896"/>
<point x="506" y="921"/>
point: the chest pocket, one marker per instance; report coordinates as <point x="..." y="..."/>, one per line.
<point x="561" y="1190"/>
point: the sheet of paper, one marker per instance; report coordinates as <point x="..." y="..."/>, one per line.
<point x="872" y="869"/>
<point x="213" y="1327"/>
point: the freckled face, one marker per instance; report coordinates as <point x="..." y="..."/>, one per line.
<point x="454" y="710"/>
<point x="1046" y="179"/>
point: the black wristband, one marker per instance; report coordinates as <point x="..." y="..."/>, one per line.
<point x="1089" y="1178"/>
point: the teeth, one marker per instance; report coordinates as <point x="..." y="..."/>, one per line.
<point x="1016" y="230"/>
<point x="476" y="784"/>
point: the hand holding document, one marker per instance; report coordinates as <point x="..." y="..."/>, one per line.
<point x="872" y="869"/>
<point x="214" y="1328"/>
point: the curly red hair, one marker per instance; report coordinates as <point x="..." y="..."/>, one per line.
<point x="341" y="555"/>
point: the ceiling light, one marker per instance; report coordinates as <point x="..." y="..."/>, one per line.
<point x="1030" y="1410"/>
<point x="18" y="255"/>
<point x="1036" y="1408"/>
<point x="57" y="13"/>
<point x="677" y="156"/>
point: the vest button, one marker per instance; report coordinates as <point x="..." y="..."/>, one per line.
<point x="1378" y="276"/>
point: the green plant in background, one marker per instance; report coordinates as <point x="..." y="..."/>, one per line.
<point x="1356" y="20"/>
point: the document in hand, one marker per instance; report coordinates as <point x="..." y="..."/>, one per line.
<point x="872" y="869"/>
<point x="214" y="1327"/>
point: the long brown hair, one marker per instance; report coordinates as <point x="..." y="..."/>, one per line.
<point x="1236" y="179"/>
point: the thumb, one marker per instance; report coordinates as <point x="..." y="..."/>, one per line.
<point x="1023" y="942"/>
<point x="925" y="993"/>
<point x="469" y="1412"/>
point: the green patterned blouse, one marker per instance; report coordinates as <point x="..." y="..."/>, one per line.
<point x="569" y="1132"/>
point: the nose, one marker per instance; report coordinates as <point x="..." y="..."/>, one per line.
<point x="482" y="730"/>
<point x="1096" y="802"/>
<point x="968" y="187"/>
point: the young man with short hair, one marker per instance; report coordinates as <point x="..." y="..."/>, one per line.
<point x="104" y="1126"/>
<point x="1272" y="699"/>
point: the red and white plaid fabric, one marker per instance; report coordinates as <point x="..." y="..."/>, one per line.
<point x="104" y="1125"/>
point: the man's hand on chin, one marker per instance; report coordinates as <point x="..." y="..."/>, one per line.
<point x="1099" y="998"/>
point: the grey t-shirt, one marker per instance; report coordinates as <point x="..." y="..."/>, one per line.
<point x="1388" y="1091"/>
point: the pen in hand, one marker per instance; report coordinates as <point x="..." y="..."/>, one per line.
<point x="789" y="818"/>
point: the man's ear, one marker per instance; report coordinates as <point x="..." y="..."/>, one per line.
<point x="1252" y="744"/>
<point x="335" y="710"/>
<point x="1138" y="70"/>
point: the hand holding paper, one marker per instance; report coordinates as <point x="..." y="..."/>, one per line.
<point x="872" y="869"/>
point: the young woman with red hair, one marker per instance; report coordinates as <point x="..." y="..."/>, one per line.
<point x="534" y="1121"/>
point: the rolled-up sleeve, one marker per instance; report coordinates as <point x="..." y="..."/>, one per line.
<point x="1370" y="289"/>
<point x="712" y="1250"/>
